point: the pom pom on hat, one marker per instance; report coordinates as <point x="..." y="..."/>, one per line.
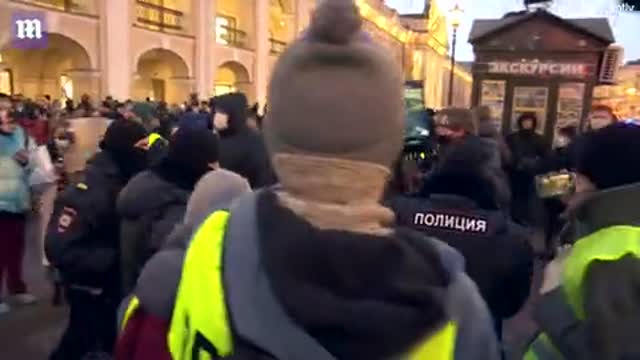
<point x="335" y="22"/>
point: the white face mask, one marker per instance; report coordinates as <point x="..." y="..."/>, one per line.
<point x="62" y="144"/>
<point x="562" y="141"/>
<point x="221" y="121"/>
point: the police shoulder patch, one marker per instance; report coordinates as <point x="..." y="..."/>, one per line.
<point x="66" y="219"/>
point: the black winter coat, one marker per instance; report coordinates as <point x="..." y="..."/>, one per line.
<point x="498" y="255"/>
<point x="149" y="207"/>
<point x="82" y="236"/>
<point x="244" y="153"/>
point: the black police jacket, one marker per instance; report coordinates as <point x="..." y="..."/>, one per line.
<point x="498" y="255"/>
<point x="82" y="236"/>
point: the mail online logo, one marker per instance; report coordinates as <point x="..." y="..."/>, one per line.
<point x="29" y="30"/>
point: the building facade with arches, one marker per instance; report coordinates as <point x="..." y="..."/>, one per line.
<point x="168" y="49"/>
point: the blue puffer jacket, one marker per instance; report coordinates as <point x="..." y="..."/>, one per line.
<point x="14" y="179"/>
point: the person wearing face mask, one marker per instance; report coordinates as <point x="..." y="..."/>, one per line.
<point x="15" y="204"/>
<point x="590" y="302"/>
<point x="458" y="127"/>
<point x="82" y="241"/>
<point x="156" y="199"/>
<point x="242" y="149"/>
<point x="562" y="158"/>
<point x="454" y="125"/>
<point x="528" y="149"/>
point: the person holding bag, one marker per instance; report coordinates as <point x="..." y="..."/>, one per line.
<point x="43" y="182"/>
<point x="15" y="204"/>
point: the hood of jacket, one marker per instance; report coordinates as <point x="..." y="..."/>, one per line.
<point x="235" y="105"/>
<point x="104" y="165"/>
<point x="617" y="206"/>
<point x="353" y="284"/>
<point x="147" y="192"/>
<point x="216" y="190"/>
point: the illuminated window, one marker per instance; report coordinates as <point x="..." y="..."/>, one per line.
<point x="225" y="27"/>
<point x="66" y="84"/>
<point x="6" y="82"/>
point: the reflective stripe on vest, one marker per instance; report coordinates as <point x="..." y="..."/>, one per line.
<point x="153" y="137"/>
<point x="440" y="346"/>
<point x="609" y="244"/>
<point x="543" y="349"/>
<point x="200" y="323"/>
<point x="133" y="305"/>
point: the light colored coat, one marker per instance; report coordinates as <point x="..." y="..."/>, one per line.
<point x="14" y="178"/>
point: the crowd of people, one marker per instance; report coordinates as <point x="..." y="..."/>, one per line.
<point x="316" y="232"/>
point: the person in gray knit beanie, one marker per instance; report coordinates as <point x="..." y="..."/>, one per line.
<point x="336" y="109"/>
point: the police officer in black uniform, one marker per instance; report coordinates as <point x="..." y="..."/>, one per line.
<point x="458" y="205"/>
<point x="82" y="241"/>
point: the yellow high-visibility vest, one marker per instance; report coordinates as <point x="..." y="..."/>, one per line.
<point x="200" y="322"/>
<point x="153" y="137"/>
<point x="609" y="244"/>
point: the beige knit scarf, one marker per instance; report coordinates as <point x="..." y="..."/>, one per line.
<point x="335" y="194"/>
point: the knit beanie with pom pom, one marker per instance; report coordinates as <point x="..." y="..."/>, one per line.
<point x="336" y="94"/>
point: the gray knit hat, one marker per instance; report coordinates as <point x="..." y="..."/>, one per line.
<point x="215" y="191"/>
<point x="335" y="94"/>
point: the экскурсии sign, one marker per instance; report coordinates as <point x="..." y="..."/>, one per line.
<point x="534" y="68"/>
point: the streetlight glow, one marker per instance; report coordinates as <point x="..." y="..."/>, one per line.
<point x="456" y="16"/>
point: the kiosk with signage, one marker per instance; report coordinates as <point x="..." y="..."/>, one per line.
<point x="536" y="62"/>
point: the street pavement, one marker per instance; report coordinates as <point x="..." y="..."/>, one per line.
<point x="31" y="332"/>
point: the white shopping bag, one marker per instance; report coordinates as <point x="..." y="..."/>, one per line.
<point x="43" y="170"/>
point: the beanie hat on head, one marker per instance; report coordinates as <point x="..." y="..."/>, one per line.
<point x="333" y="94"/>
<point x="609" y="157"/>
<point x="457" y="119"/>
<point x="122" y="135"/>
<point x="217" y="190"/>
<point x="194" y="150"/>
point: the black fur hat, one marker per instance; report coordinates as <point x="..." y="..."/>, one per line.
<point x="610" y="157"/>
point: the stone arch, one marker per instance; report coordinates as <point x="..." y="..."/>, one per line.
<point x="161" y="75"/>
<point x="63" y="69"/>
<point x="177" y="60"/>
<point x="232" y="76"/>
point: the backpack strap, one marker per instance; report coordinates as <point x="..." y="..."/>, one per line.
<point x="253" y="307"/>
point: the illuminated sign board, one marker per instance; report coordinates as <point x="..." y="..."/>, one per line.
<point x="533" y="68"/>
<point x="28" y="30"/>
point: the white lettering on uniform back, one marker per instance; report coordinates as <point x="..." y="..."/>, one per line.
<point x="429" y="219"/>
<point x="453" y="222"/>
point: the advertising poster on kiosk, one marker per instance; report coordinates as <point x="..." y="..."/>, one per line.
<point x="492" y="96"/>
<point x="570" y="99"/>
